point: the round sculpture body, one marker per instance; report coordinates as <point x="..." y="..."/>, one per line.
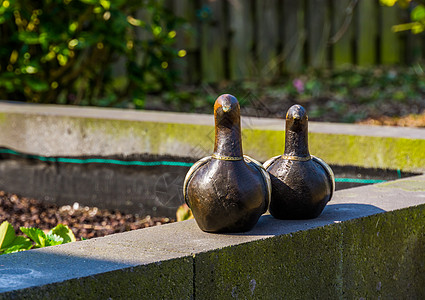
<point x="227" y="192"/>
<point x="302" y="184"/>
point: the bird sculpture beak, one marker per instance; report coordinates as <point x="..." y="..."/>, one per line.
<point x="296" y="116"/>
<point x="226" y="107"/>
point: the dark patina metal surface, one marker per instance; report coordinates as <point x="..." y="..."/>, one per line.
<point x="227" y="192"/>
<point x="301" y="184"/>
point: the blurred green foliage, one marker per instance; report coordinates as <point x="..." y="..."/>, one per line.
<point x="417" y="14"/>
<point x="347" y="95"/>
<point x="362" y="84"/>
<point x="63" y="51"/>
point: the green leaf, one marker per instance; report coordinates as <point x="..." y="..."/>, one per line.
<point x="30" y="38"/>
<point x="90" y="2"/>
<point x="64" y="232"/>
<point x="35" y="234"/>
<point x="53" y="239"/>
<point x="184" y="213"/>
<point x="36" y="84"/>
<point x="17" y="248"/>
<point x="20" y="240"/>
<point x="20" y="243"/>
<point x="418" y="13"/>
<point x="388" y="2"/>
<point x="7" y="234"/>
<point x="9" y="242"/>
<point x="417" y="27"/>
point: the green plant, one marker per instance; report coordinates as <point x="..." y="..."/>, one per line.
<point x="61" y="234"/>
<point x="183" y="213"/>
<point x="10" y="242"/>
<point x="63" y="51"/>
<point x="417" y="14"/>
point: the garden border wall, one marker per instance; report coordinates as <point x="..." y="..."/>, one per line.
<point x="369" y="242"/>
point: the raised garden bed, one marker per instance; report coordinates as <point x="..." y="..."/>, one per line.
<point x="62" y="155"/>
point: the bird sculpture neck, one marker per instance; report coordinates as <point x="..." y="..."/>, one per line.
<point x="296" y="132"/>
<point x="296" y="143"/>
<point x="228" y="141"/>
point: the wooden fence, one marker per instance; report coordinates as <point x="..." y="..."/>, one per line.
<point x="242" y="39"/>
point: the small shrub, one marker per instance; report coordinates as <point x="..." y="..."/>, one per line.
<point x="63" y="51"/>
<point x="10" y="242"/>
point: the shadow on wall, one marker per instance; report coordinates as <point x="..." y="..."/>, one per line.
<point x="333" y="213"/>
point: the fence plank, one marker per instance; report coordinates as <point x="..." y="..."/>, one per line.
<point x="413" y="48"/>
<point x="213" y="39"/>
<point x="367" y="29"/>
<point x="241" y="63"/>
<point x="342" y="32"/>
<point x="293" y="35"/>
<point x="242" y="38"/>
<point x="318" y="28"/>
<point x="186" y="39"/>
<point x="390" y="42"/>
<point x="411" y="43"/>
<point x="267" y="38"/>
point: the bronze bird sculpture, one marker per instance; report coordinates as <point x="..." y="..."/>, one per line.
<point x="302" y="184"/>
<point x="227" y="192"/>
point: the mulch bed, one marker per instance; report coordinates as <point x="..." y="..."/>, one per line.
<point x="86" y="222"/>
<point x="411" y="120"/>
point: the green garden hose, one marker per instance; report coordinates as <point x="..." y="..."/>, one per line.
<point x="148" y="164"/>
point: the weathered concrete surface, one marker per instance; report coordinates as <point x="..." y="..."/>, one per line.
<point x="369" y="242"/>
<point x="76" y="131"/>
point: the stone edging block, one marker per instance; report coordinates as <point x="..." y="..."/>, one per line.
<point x="368" y="243"/>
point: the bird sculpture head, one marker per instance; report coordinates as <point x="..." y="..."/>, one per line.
<point x="227" y="126"/>
<point x="296" y="132"/>
<point x="296" y="118"/>
<point x="226" y="110"/>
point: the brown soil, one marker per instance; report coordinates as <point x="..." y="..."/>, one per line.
<point x="405" y="121"/>
<point x="86" y="222"/>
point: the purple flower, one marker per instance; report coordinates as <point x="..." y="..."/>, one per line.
<point x="299" y="85"/>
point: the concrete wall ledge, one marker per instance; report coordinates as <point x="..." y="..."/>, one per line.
<point x="368" y="243"/>
<point x="54" y="130"/>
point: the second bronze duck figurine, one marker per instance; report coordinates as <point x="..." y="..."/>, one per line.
<point x="227" y="192"/>
<point x="302" y="184"/>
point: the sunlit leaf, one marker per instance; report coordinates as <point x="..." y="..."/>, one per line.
<point x="20" y="243"/>
<point x="18" y="248"/>
<point x="20" y="240"/>
<point x="64" y="232"/>
<point x="105" y="4"/>
<point x="388" y="2"/>
<point x="35" y="234"/>
<point x="91" y="2"/>
<point x="183" y="213"/>
<point x="7" y="234"/>
<point x="30" y="38"/>
<point x="53" y="239"/>
<point x="418" y="28"/>
<point x="418" y="13"/>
